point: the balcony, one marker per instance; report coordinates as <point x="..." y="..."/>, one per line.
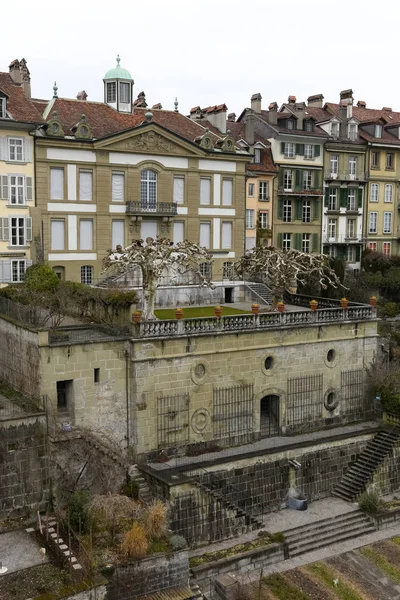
<point x="299" y="190"/>
<point x="163" y="209"/>
<point x="342" y="238"/>
<point x="344" y="176"/>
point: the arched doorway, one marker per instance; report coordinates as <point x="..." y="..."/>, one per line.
<point x="269" y="416"/>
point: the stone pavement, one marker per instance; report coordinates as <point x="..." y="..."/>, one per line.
<point x="19" y="550"/>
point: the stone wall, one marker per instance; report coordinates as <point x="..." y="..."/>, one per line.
<point x="149" y="576"/>
<point x="19" y="358"/>
<point x="24" y="460"/>
<point x="386" y="478"/>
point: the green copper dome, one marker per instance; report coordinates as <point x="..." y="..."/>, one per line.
<point x="117" y="72"/>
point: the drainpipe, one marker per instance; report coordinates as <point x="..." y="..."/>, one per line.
<point x="126" y="354"/>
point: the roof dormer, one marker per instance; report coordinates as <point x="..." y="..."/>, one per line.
<point x="3" y="105"/>
<point x="118" y="88"/>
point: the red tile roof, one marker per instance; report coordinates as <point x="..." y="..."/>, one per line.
<point x="267" y="163"/>
<point x="20" y="107"/>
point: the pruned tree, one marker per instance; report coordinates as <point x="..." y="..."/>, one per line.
<point x="154" y="256"/>
<point x="282" y="269"/>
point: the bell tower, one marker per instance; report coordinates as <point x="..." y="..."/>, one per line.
<point x="118" y="88"/>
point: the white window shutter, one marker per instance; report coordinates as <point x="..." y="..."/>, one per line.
<point x="28" y="149"/>
<point x="3" y="147"/>
<point x="6" y="271"/>
<point x="28" y="225"/>
<point x="4" y="187"/>
<point x="5" y="229"/>
<point x="28" y="188"/>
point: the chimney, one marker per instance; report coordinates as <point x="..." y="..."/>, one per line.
<point x="273" y="113"/>
<point x="81" y="95"/>
<point x="195" y="113"/>
<point x="300" y="109"/>
<point x="346" y="95"/>
<point x="343" y="118"/>
<point x="232" y="117"/>
<point x="291" y="100"/>
<point x="157" y="106"/>
<point x="361" y="104"/>
<point x="349" y="108"/>
<point x="14" y="71"/>
<point x="25" y="78"/>
<point x="216" y="115"/>
<point x="249" y="128"/>
<point x="317" y="100"/>
<point x="256" y="103"/>
<point x="387" y="109"/>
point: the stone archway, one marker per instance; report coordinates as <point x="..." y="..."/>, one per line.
<point x="269" y="411"/>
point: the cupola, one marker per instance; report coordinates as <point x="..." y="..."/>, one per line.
<point x="118" y="88"/>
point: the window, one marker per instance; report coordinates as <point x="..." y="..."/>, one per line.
<point x="374" y="195"/>
<point x="124" y="93"/>
<point x="290" y="124"/>
<point x="353" y="131"/>
<point x="206" y="270"/>
<point x="205" y="235"/>
<point x="387" y="222"/>
<point x="118" y="187"/>
<point x="352" y="166"/>
<point x="148" y="189"/>
<point x="332" y="251"/>
<point x="3" y="112"/>
<point x="85" y="185"/>
<point x="332" y="228"/>
<point x="249" y="218"/>
<point x="375" y="160"/>
<point x="87" y="274"/>
<point x="21" y="230"/>
<point x="118" y="234"/>
<point x="378" y="131"/>
<point x="335" y="129"/>
<point x="289" y="150"/>
<point x="111" y="92"/>
<point x="96" y="375"/>
<point x="226" y="234"/>
<point x="308" y="151"/>
<point x="15" y="149"/>
<point x="334" y="161"/>
<point x="56" y="184"/>
<point x="251" y="190"/>
<point x="57" y="234"/>
<point x="388" y="192"/>
<point x="306" y="211"/>
<point x="351" y="199"/>
<point x="179" y="190"/>
<point x="373" y="222"/>
<point x="227" y="270"/>
<point x="305" y="242"/>
<point x="387" y="248"/>
<point x="286" y="241"/>
<point x="227" y="192"/>
<point x="263" y="191"/>
<point x="351" y="228"/>
<point x="351" y="254"/>
<point x="372" y="246"/>
<point x="17" y="195"/>
<point x="18" y="270"/>
<point x="288" y="180"/>
<point x="287" y="211"/>
<point x="179" y="232"/>
<point x="86" y="234"/>
<point x="389" y="160"/>
<point x="309" y="125"/>
<point x="263" y="219"/>
<point x="257" y="155"/>
<point x="307" y="180"/>
<point x="333" y="203"/>
<point x="205" y="190"/>
<point x="64" y="394"/>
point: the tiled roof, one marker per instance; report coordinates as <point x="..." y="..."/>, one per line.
<point x="18" y="105"/>
<point x="367" y="115"/>
<point x="386" y="138"/>
<point x="267" y="163"/>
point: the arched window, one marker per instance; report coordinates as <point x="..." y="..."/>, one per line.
<point x="148" y="189"/>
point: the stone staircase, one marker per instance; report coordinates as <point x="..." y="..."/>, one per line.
<point x="144" y="490"/>
<point x="260" y="292"/>
<point x="319" y="534"/>
<point x="357" y="476"/>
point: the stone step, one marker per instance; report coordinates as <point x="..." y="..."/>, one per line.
<point x="313" y="534"/>
<point x="330" y="539"/>
<point x="337" y="519"/>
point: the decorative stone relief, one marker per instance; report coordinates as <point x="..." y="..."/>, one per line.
<point x="200" y="420"/>
<point x="151" y="142"/>
<point x="199" y="371"/>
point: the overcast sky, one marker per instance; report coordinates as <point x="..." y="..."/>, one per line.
<point x="209" y="51"/>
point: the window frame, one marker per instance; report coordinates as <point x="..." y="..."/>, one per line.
<point x="21" y="147"/>
<point x="332" y="228"/>
<point x="19" y="187"/>
<point x="257" y="155"/>
<point x="306" y="243"/>
<point x="389" y="159"/>
<point x="352" y="165"/>
<point x="230" y="223"/>
<point x="334" y="158"/>
<point x="59" y="220"/>
<point x="308" y="151"/>
<point x="351" y="228"/>
<point x="261" y="214"/>
<point x="82" y="247"/>
<point x="374" y="197"/>
<point x="289" y="150"/>
<point x="286" y="241"/>
<point x="18" y="228"/>
<point x="351" y="199"/>
<point x="230" y="199"/>
<point x="111" y="98"/>
<point x="388" y="197"/>
<point x="333" y="199"/>
<point x="3" y="107"/>
<point x="182" y="224"/>
<point x="148" y="189"/>
<point x="263" y="191"/>
<point x="208" y="223"/>
<point x="83" y="172"/>
<point x="87" y="274"/>
<point x="207" y="178"/>
<point x="373" y="219"/>
<point x="18" y="262"/>
<point x="335" y="129"/>
<point x="117" y="174"/>
<point x="286" y="178"/>
<point x="375" y="159"/>
<point x="251" y="186"/>
<point x="387" y="248"/>
<point x="374" y="248"/>
<point x="250" y="218"/>
<point x="387" y="220"/>
<point x="60" y="170"/>
<point x="307" y="175"/>
<point x="123" y="85"/>
<point x="287" y="210"/>
<point x="306" y="211"/>
<point x="180" y="178"/>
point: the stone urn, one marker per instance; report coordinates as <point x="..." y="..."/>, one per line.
<point x="179" y="313"/>
<point x="281" y="307"/>
<point x="255" y="309"/>
<point x="313" y="304"/>
<point x="137" y="316"/>
<point x="372" y="301"/>
<point x="344" y="303"/>
<point x="218" y="311"/>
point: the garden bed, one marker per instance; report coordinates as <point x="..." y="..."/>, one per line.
<point x="193" y="312"/>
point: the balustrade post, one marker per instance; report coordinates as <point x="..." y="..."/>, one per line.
<point x="345" y="314"/>
<point x="136" y="329"/>
<point x="314" y="315"/>
<point x="256" y="320"/>
<point x="181" y="327"/>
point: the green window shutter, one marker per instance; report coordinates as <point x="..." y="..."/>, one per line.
<point x="360" y="198"/>
<point x="299" y="209"/>
<point x="343" y="197"/>
<point x="283" y="147"/>
<point x="280" y="178"/>
<point x="297" y="241"/>
<point x="326" y="202"/>
<point x="300" y="149"/>
<point x="317" y="179"/>
<point x="297" y="176"/>
<point x="358" y="253"/>
<point x="317" y="150"/>
<point x="325" y="250"/>
<point x="315" y="210"/>
<point x="341" y="252"/>
<point x="315" y="243"/>
<point x="280" y="240"/>
<point x="280" y="208"/>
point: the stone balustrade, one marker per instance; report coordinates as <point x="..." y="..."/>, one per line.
<point x="249" y="322"/>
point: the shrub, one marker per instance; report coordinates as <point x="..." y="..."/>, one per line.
<point x="277" y="538"/>
<point x="41" y="278"/>
<point x="130" y="488"/>
<point x="78" y="511"/>
<point x="391" y="309"/>
<point x="177" y="542"/>
<point x="135" y="543"/>
<point x="369" y="502"/>
<point x="155" y="522"/>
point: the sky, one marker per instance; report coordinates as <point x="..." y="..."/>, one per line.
<point x="209" y="52"/>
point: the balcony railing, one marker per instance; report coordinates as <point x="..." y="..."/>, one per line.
<point x="342" y="238"/>
<point x="166" y="209"/>
<point x="345" y="175"/>
<point x="300" y="189"/>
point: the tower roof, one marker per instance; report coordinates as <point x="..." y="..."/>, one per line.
<point x="118" y="72"/>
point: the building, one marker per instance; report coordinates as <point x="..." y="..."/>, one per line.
<point x="109" y="172"/>
<point x="19" y="118"/>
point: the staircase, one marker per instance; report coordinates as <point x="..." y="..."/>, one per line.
<point x="260" y="292"/>
<point x="338" y="528"/>
<point x="358" y="475"/>
<point x="144" y="490"/>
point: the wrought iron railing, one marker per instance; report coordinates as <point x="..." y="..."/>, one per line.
<point x="161" y="208"/>
<point x="345" y="175"/>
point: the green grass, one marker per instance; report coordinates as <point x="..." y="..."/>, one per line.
<point x="342" y="590"/>
<point x="282" y="589"/>
<point x="197" y="311"/>
<point x="208" y="557"/>
<point x="381" y="562"/>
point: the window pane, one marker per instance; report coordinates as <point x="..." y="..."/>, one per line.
<point x="57" y="184"/>
<point x="179" y="232"/>
<point x="205" y="190"/>
<point x="86" y="234"/>
<point x="111" y="92"/>
<point x="205" y="235"/>
<point x="124" y="93"/>
<point x="118" y="234"/>
<point x="226" y="235"/>
<point x="85" y="185"/>
<point x="57" y="234"/>
<point x="227" y="187"/>
<point x="148" y="189"/>
<point x="118" y="187"/>
<point x="87" y="274"/>
<point x="179" y="190"/>
<point x="249" y="218"/>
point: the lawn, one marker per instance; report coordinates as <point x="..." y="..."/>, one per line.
<point x="197" y="311"/>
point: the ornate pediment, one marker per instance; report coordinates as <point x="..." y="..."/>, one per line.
<point x="149" y="141"/>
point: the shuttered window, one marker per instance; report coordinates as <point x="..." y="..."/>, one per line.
<point x="85" y="185"/>
<point x="56" y="184"/>
<point x="86" y="234"/>
<point x="118" y="234"/>
<point x="179" y="231"/>
<point x="226" y="234"/>
<point x="227" y="190"/>
<point x="118" y="187"/>
<point x="179" y="190"/>
<point x="57" y="234"/>
<point x="205" y="190"/>
<point x="205" y="235"/>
